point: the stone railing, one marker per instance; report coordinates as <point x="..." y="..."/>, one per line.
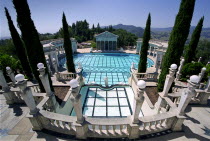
<point x="201" y="97"/>
<point x="17" y="98"/>
<point x="35" y="88"/>
<point x="105" y="127"/>
<point x="147" y="76"/>
<point x="65" y="76"/>
<point x="133" y="83"/>
<point x="157" y="123"/>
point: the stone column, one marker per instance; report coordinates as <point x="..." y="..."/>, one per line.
<point x="51" y="57"/>
<point x="56" y="57"/>
<point x="76" y="100"/>
<point x="154" y="53"/>
<point x="11" y="74"/>
<point x="178" y="74"/>
<point x="156" y="60"/>
<point x="81" y="127"/>
<point x="104" y="45"/>
<point x="208" y="85"/>
<point x="138" y="101"/>
<point x="57" y="50"/>
<point x="169" y="79"/>
<point x="26" y="94"/>
<point x="157" y="66"/>
<point x="187" y="94"/>
<point x="6" y="89"/>
<point x="55" y="65"/>
<point x="45" y="81"/>
<point x="48" y="66"/>
<point x="132" y="65"/>
<point x="203" y="97"/>
<point x="168" y="82"/>
<point x="203" y="70"/>
<point x="116" y="45"/>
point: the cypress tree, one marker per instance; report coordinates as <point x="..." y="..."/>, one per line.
<point x="30" y="37"/>
<point x="19" y="46"/>
<point x="67" y="46"/>
<point x="98" y="29"/>
<point x="190" y="51"/>
<point x="142" y="66"/>
<point x="177" y="39"/>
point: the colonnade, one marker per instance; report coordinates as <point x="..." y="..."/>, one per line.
<point x="106" y="45"/>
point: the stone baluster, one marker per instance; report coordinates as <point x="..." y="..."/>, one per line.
<point x="106" y="81"/>
<point x="79" y="65"/>
<point x="203" y="70"/>
<point x="154" y="53"/>
<point x="11" y="74"/>
<point x="132" y="69"/>
<point x="55" y="65"/>
<point x="6" y="89"/>
<point x="208" y="85"/>
<point x="138" y="101"/>
<point x="75" y="98"/>
<point x="45" y="81"/>
<point x="132" y="65"/>
<point x="178" y="74"/>
<point x="27" y="96"/>
<point x="188" y="94"/>
<point x="203" y="97"/>
<point x="157" y="66"/>
<point x="56" y="58"/>
<point x="49" y="69"/>
<point x="79" y="72"/>
<point x="168" y="82"/>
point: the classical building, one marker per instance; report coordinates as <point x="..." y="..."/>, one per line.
<point x="58" y="44"/>
<point x="106" y="41"/>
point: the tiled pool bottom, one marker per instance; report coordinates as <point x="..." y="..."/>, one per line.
<point x="115" y="66"/>
<point x="113" y="78"/>
<point x="116" y="102"/>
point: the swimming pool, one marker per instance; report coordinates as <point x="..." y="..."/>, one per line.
<point x="112" y="102"/>
<point x="115" y="66"/>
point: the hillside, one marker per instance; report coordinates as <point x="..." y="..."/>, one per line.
<point x="159" y="33"/>
<point x="138" y="31"/>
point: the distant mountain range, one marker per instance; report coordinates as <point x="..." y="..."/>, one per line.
<point x="159" y="33"/>
<point x="138" y="31"/>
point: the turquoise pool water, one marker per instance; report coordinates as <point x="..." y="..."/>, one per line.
<point x="115" y="66"/>
<point x="114" y="102"/>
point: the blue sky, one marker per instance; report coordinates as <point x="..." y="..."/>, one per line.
<point x="47" y="14"/>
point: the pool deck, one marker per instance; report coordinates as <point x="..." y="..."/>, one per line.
<point x="132" y="51"/>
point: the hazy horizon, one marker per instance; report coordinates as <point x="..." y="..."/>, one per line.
<point x="47" y="14"/>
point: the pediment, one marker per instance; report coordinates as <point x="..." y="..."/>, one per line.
<point x="106" y="34"/>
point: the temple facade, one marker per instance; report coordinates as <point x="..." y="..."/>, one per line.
<point x="106" y="41"/>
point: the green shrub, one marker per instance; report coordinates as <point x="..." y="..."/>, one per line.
<point x="6" y="60"/>
<point x="191" y="69"/>
<point x="208" y="70"/>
